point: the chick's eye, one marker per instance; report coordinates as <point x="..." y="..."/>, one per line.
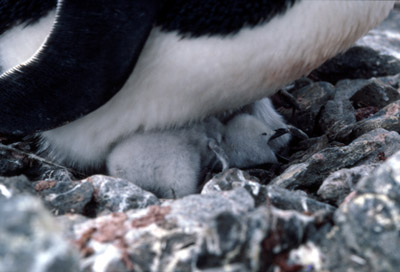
<point x="264" y="134"/>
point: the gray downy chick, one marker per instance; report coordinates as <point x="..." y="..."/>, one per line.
<point x="264" y="111"/>
<point x="168" y="163"/>
<point x="246" y="142"/>
<point x="171" y="163"/>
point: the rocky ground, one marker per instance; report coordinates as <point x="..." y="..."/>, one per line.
<point x="334" y="206"/>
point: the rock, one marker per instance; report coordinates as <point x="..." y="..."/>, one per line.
<point x="65" y="196"/>
<point x="385" y="181"/>
<point x="193" y="209"/>
<point x="355" y="100"/>
<point x="31" y="240"/>
<point x="335" y="116"/>
<point x="375" y="93"/>
<point x="358" y="62"/>
<point x="339" y="184"/>
<point x="295" y="200"/>
<point x="10" y="162"/>
<point x="217" y="231"/>
<point x="310" y="100"/>
<point x="371" y="147"/>
<point x="265" y="195"/>
<point x="14" y="186"/>
<point x="361" y="114"/>
<point x="346" y="88"/>
<point x="393" y="81"/>
<point x="283" y="97"/>
<point x="94" y="195"/>
<point x="14" y="162"/>
<point x="388" y="118"/>
<point x="365" y="236"/>
<point x="264" y="174"/>
<point x="118" y="195"/>
<point x="235" y="178"/>
<point x="306" y="148"/>
<point x="59" y="174"/>
<point x="368" y="226"/>
<point x="163" y="238"/>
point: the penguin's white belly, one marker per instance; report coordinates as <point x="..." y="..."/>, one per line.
<point x="179" y="80"/>
<point x="22" y="42"/>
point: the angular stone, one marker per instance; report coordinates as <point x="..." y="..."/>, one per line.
<point x="387" y="118"/>
<point x="265" y="195"/>
<point x="94" y="195"/>
<point x="296" y="201"/>
<point x="118" y="195"/>
<point x="13" y="186"/>
<point x="289" y="230"/>
<point x="358" y="62"/>
<point x="168" y="237"/>
<point x="366" y="236"/>
<point x="310" y="99"/>
<point x="235" y="178"/>
<point x="371" y="147"/>
<point x="65" y="196"/>
<point x="376" y="94"/>
<point x="346" y="88"/>
<point x="191" y="210"/>
<point x="393" y="81"/>
<point x="385" y="181"/>
<point x="361" y="114"/>
<point x="217" y="231"/>
<point x="30" y="239"/>
<point x="306" y="148"/>
<point x="16" y="162"/>
<point x="336" y="115"/>
<point x="339" y="184"/>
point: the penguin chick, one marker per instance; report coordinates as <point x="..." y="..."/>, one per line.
<point x="246" y="142"/>
<point x="168" y="163"/>
<point x="171" y="163"/>
<point x="264" y="111"/>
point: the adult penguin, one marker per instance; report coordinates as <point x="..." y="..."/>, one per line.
<point x="111" y="68"/>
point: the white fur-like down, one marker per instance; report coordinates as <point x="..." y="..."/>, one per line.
<point x="169" y="163"/>
<point x="178" y="80"/>
<point x="21" y="42"/>
<point x="264" y="111"/>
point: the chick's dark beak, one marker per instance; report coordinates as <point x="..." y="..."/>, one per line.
<point x="278" y="133"/>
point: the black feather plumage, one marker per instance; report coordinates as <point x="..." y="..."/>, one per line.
<point x="14" y="12"/>
<point x="218" y="17"/>
<point x="189" y="17"/>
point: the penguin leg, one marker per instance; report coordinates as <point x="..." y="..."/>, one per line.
<point x="91" y="51"/>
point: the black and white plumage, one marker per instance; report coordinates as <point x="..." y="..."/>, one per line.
<point x="199" y="58"/>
